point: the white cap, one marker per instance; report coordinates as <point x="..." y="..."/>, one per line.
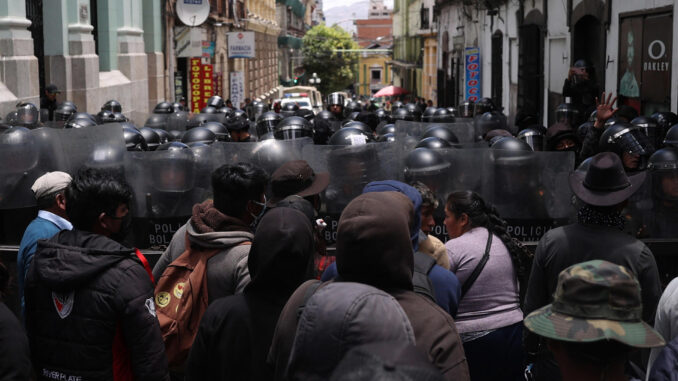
<point x="50" y="182"/>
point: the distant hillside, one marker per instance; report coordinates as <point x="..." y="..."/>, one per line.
<point x="345" y="14"/>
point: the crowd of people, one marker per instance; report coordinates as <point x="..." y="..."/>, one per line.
<point x="247" y="288"/>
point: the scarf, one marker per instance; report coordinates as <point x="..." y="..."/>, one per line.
<point x="590" y="216"/>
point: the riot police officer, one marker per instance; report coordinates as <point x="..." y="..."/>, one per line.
<point x="199" y="135"/>
<point x="293" y="127"/>
<point x="151" y="137"/>
<point x="335" y="105"/>
<point x="442" y="132"/>
<point x="266" y="123"/>
<point x="112" y="106"/>
<point x="134" y="140"/>
<point x="27" y="115"/>
<point x="662" y="220"/>
<point x="238" y="126"/>
<point x="533" y="138"/>
<point x="629" y="143"/>
<point x="566" y="113"/>
<point x="466" y="109"/>
<point x="163" y="108"/>
<point x="219" y="130"/>
<point x="289" y="109"/>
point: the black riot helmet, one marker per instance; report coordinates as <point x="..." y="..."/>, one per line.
<point x="199" y="135"/>
<point x="174" y="169"/>
<point x="428" y="114"/>
<point x="534" y="138"/>
<point x="112" y="106"/>
<point x="583" y="130"/>
<point x="134" y="140"/>
<point x="352" y="107"/>
<point x="226" y="111"/>
<point x="336" y="99"/>
<point x="238" y="113"/>
<point x="267" y="121"/>
<point x="401" y="114"/>
<point x="208" y="110"/>
<point x="289" y="109"/>
<point x="386" y="129"/>
<point x="433" y="142"/>
<point x="441" y="132"/>
<point x="424" y="164"/>
<point x="164" y="135"/>
<point x="663" y="167"/>
<point x="482" y="106"/>
<point x="622" y="138"/>
<point x="387" y="137"/>
<point x="509" y="143"/>
<point x="80" y="122"/>
<point x="665" y="119"/>
<point x="649" y="127"/>
<point x="487" y="122"/>
<point x="18" y="150"/>
<point x="568" y="114"/>
<point x="177" y="121"/>
<point x="381" y="114"/>
<point x="306" y="114"/>
<point x="119" y="117"/>
<point x="105" y="116"/>
<point x="27" y="115"/>
<point x="156" y="121"/>
<point x="215" y="101"/>
<point x="64" y="111"/>
<point x="199" y="119"/>
<point x="349" y="136"/>
<point x="322" y="130"/>
<point x="326" y="115"/>
<point x="415" y="111"/>
<point x="163" y="108"/>
<point x="466" y="109"/>
<point x="671" y="139"/>
<point x="451" y="110"/>
<point x="258" y="108"/>
<point x="359" y="125"/>
<point x="396" y="105"/>
<point x="219" y="130"/>
<point x="237" y="123"/>
<point x="352" y="116"/>
<point x="293" y="127"/>
<point x="441" y="115"/>
<point x="151" y="137"/>
<point x="175" y="135"/>
<point x="176" y="107"/>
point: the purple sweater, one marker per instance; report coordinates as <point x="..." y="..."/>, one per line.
<point x="492" y="302"/>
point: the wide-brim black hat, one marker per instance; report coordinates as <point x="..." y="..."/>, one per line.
<point x="605" y="183"/>
<point x="297" y="178"/>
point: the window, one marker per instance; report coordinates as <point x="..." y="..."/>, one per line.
<point x="424" y="18"/>
<point x="375" y="75"/>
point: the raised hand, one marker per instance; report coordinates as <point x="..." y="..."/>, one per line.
<point x="604" y="109"/>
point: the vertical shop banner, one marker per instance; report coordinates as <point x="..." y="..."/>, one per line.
<point x="202" y="84"/>
<point x="472" y="69"/>
<point x="237" y="88"/>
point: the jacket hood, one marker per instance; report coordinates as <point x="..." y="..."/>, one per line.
<point x="373" y="244"/>
<point x="73" y="257"/>
<point x="338" y="317"/>
<point x="281" y="255"/>
<point x="409" y="191"/>
<point x="209" y="228"/>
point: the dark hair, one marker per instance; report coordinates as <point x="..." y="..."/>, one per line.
<point x="236" y="184"/>
<point x="49" y="200"/>
<point x="427" y="196"/>
<point x="485" y="215"/>
<point x="94" y="191"/>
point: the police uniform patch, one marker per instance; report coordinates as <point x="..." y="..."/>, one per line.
<point x="179" y="290"/>
<point x="162" y="299"/>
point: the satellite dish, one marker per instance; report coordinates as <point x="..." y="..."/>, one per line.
<point x="193" y="12"/>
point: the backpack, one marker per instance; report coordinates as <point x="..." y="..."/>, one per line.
<point x="181" y="300"/>
<point x="420" y="280"/>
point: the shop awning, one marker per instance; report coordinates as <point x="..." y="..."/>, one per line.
<point x="290" y="41"/>
<point x="297" y="7"/>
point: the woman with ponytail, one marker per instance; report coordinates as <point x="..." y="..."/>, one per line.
<point x="488" y="263"/>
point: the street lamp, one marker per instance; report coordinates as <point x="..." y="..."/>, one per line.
<point x="314" y="80"/>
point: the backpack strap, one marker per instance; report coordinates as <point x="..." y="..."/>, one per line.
<point x="479" y="267"/>
<point x="420" y="280"/>
<point x="144" y="262"/>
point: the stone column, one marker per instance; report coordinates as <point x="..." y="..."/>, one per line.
<point x="132" y="60"/>
<point x="152" y="24"/>
<point x="18" y="65"/>
<point x="81" y="63"/>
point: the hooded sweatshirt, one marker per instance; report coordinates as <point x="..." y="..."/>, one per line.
<point x="227" y="271"/>
<point x="236" y="331"/>
<point x="374" y="248"/>
<point x="90" y="312"/>
<point x="446" y="287"/>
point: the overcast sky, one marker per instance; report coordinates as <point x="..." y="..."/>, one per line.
<point x="327" y="4"/>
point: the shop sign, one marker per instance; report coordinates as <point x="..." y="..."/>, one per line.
<point x="472" y="69"/>
<point x="241" y="45"/>
<point x="202" y="84"/>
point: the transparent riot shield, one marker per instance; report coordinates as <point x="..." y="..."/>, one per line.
<point x="99" y="146"/>
<point x="267" y="154"/>
<point x="177" y="121"/>
<point x="20" y="156"/>
<point x="350" y="169"/>
<point x="463" y="130"/>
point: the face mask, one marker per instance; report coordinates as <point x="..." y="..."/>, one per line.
<point x="257" y="218"/>
<point x="125" y="228"/>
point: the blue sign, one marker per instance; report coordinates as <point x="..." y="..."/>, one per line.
<point x="472" y="69"/>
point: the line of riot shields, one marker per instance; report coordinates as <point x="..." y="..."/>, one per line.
<point x="529" y="189"/>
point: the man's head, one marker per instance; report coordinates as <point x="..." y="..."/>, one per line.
<point x="298" y="178"/>
<point x="429" y="203"/>
<point x="51" y="92"/>
<point x="97" y="200"/>
<point x="239" y="190"/>
<point x="49" y="190"/>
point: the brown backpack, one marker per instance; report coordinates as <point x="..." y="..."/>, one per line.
<point x="181" y="300"/>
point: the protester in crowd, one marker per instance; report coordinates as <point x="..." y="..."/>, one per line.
<point x="429" y="279"/>
<point x="49" y="193"/>
<point x="429" y="244"/>
<point x="604" y="111"/>
<point x="338" y="317"/>
<point x="15" y="356"/>
<point x="90" y="312"/>
<point x="594" y="322"/>
<point x="487" y="262"/>
<point x="236" y="331"/>
<point x="298" y="178"/>
<point x="581" y="86"/>
<point x="598" y="234"/>
<point x="666" y="323"/>
<point x="227" y="222"/>
<point x="374" y="248"/>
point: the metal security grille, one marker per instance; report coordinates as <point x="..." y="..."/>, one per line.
<point x="34" y="14"/>
<point x="530" y="70"/>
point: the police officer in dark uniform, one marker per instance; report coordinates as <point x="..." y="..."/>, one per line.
<point x="48" y="100"/>
<point x="662" y="221"/>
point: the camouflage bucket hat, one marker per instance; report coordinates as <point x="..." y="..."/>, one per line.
<point x="595" y="300"/>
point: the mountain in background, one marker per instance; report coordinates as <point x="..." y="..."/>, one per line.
<point x="345" y="14"/>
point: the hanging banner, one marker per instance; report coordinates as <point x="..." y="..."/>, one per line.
<point x="241" y="45"/>
<point x="202" y="84"/>
<point x="472" y="69"/>
<point x="237" y="88"/>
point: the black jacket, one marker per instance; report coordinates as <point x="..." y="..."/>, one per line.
<point x="90" y="311"/>
<point x="15" y="363"/>
<point x="236" y="331"/>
